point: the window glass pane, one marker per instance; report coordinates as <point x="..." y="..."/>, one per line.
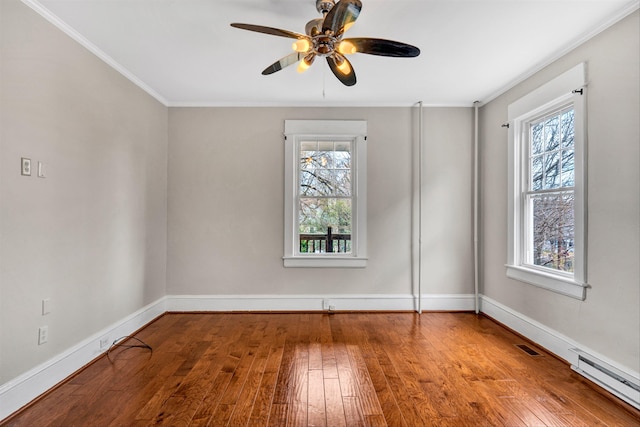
<point x="342" y="159"/>
<point x="536" y="173"/>
<point x="552" y="133"/>
<point x="553" y="231"/>
<point x="308" y="155"/>
<point x="308" y="145"/>
<point x="552" y="170"/>
<point x="324" y="182"/>
<point x="325" y="159"/>
<point x="307" y="212"/>
<point x="317" y="182"/>
<point x="343" y="146"/>
<point x="309" y="183"/>
<point x="307" y="159"/>
<point x="536" y="138"/>
<point x="325" y="225"/>
<point x="325" y="146"/>
<point x="342" y="180"/>
<point x="568" y="168"/>
<point x="567" y="129"/>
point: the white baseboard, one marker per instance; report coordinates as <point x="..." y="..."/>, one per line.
<point x="364" y="302"/>
<point x="548" y="338"/>
<point x="18" y="392"/>
<point x="557" y="343"/>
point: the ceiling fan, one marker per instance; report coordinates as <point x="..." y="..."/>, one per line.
<point x="324" y="38"/>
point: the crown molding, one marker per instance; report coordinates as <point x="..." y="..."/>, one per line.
<point x="62" y="26"/>
<point x="612" y="20"/>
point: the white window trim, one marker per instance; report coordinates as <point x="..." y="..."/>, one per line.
<point x="295" y="131"/>
<point x="555" y="93"/>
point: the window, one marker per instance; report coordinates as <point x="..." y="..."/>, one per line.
<point x="547" y="186"/>
<point x="325" y="196"/>
<point x="549" y="196"/>
<point x="325" y="193"/>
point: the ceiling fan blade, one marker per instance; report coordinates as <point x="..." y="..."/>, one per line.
<point x="270" y="30"/>
<point x="283" y="62"/>
<point x="348" y="78"/>
<point x="342" y="15"/>
<point x="383" y="47"/>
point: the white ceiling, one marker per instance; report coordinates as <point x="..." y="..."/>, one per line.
<point x="184" y="52"/>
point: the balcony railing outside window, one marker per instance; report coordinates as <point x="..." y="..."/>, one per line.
<point x="325" y="242"/>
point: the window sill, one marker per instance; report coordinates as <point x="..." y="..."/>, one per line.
<point x="562" y="285"/>
<point x="325" y="262"/>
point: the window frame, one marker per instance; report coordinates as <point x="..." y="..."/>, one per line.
<point x="295" y="132"/>
<point x="568" y="89"/>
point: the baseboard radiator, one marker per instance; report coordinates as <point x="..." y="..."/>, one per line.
<point x="621" y="384"/>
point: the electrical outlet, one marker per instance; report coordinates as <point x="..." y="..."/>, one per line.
<point x="325" y="304"/>
<point x="25" y="166"/>
<point x="43" y="335"/>
<point x="104" y="343"/>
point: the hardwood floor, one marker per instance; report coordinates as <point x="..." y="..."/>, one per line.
<point x="314" y="369"/>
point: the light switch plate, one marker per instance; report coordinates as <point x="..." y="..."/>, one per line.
<point x="46" y="306"/>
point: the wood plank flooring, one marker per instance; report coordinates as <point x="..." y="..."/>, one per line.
<point x="317" y="369"/>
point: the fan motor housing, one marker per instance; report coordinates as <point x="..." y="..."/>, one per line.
<point x="324" y="45"/>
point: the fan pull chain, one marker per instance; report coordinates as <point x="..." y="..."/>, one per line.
<point x="324" y="80"/>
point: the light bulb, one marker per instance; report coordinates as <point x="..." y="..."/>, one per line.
<point x="303" y="66"/>
<point x="301" y="45"/>
<point x="346" y="48"/>
<point x="344" y="67"/>
<point x="306" y="62"/>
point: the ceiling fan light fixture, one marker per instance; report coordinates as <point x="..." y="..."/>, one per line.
<point x="305" y="63"/>
<point x="346" y="48"/>
<point x="342" y="64"/>
<point x="301" y="45"/>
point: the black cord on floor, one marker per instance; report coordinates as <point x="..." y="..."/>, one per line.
<point x="117" y="344"/>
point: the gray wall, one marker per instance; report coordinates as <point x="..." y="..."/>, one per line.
<point x="225" y="231"/>
<point x="609" y="320"/>
<point x="91" y="236"/>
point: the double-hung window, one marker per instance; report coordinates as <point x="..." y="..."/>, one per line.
<point x="325" y="193"/>
<point x="547" y="186"/>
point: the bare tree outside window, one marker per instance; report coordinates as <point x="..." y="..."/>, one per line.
<point x="553" y="231"/>
<point x="551" y="191"/>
